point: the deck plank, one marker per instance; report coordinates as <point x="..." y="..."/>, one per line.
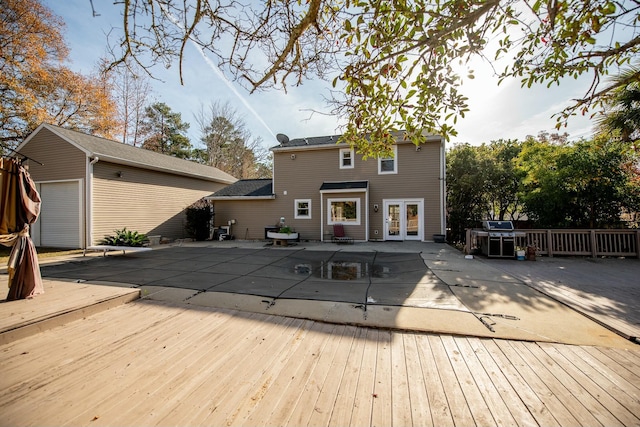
<point x="235" y="410"/>
<point x="456" y="399"/>
<point x="508" y="385"/>
<point x="400" y="395"/>
<point x="154" y="363"/>
<point x="418" y="396"/>
<point x="178" y="358"/>
<point x="615" y="364"/>
<point x="64" y="387"/>
<point x="383" y="387"/>
<point x="540" y="401"/>
<point x="363" y="401"/>
<point x="439" y="405"/>
<point x="564" y="406"/>
<point x="632" y="359"/>
<point x="306" y="404"/>
<point x="485" y="387"/>
<point x="600" y="399"/>
<point x="327" y="396"/>
<point x="472" y="393"/>
<point x="195" y="378"/>
<point x="345" y="397"/>
<point x="216" y="399"/>
<point x="560" y="368"/>
<point x="175" y="350"/>
<point x="275" y="406"/>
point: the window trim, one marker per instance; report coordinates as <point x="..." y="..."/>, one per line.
<point x="296" y="208"/>
<point x="351" y="156"/>
<point x="358" y="203"/>
<point x="395" y="162"/>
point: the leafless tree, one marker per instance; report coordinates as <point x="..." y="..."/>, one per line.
<point x="131" y="90"/>
<point x="228" y="143"/>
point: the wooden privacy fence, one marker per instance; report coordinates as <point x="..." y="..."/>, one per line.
<point x="594" y="243"/>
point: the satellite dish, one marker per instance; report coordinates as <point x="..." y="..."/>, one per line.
<point x="282" y="138"/>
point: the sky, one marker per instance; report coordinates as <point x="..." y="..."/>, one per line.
<point x="497" y="112"/>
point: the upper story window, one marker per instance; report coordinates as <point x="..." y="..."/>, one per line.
<point x="346" y="158"/>
<point x="302" y="209"/>
<point x="389" y="164"/>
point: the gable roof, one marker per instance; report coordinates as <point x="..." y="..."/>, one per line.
<point x="117" y="152"/>
<point x="246" y="189"/>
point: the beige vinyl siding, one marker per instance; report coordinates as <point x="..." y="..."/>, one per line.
<point x="146" y="201"/>
<point x="252" y="216"/>
<point x="63" y="160"/>
<point x="63" y="164"/>
<point x="417" y="177"/>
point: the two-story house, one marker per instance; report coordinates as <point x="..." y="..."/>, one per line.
<point x="317" y="183"/>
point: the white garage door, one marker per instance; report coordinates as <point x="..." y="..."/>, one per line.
<point x="60" y="223"/>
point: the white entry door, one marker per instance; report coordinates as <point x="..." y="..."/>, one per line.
<point x="403" y="219"/>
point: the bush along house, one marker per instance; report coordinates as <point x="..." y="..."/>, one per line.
<point x="318" y="182"/>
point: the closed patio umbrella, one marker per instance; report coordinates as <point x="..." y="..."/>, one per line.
<point x="19" y="208"/>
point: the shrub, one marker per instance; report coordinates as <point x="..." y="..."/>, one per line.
<point x="199" y="219"/>
<point x="125" y="237"/>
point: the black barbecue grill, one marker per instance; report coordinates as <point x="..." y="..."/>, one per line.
<point x="498" y="239"/>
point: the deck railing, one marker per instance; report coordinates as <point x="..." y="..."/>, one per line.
<point x="594" y="243"/>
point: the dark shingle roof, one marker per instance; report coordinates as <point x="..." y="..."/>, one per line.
<point x="345" y="185"/>
<point x="117" y="152"/>
<point x="326" y="141"/>
<point x="315" y="140"/>
<point x="246" y="188"/>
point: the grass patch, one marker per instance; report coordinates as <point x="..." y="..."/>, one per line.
<point x="42" y="253"/>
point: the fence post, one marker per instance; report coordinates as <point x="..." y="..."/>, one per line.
<point x="638" y="244"/>
<point x="549" y="244"/>
<point x="594" y="248"/>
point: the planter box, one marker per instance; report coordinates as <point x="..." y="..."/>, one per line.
<point x="282" y="236"/>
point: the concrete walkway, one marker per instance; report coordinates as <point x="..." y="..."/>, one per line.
<point x="408" y="286"/>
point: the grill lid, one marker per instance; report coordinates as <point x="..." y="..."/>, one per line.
<point x="497" y="225"/>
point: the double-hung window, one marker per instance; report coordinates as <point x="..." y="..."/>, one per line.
<point x="388" y="164"/>
<point x="302" y="209"/>
<point x="346" y="158"/>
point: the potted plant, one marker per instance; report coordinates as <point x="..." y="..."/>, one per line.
<point x="284" y="232"/>
<point x="520" y="252"/>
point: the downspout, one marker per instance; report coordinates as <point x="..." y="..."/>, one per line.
<point x="366" y="219"/>
<point x="443" y="189"/>
<point x="89" y="203"/>
<point x="321" y="217"/>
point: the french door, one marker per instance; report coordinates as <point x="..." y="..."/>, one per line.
<point x="403" y="219"/>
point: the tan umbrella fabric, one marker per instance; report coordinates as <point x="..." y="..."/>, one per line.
<point x="19" y="207"/>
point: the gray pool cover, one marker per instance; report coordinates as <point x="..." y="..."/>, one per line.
<point x="370" y="278"/>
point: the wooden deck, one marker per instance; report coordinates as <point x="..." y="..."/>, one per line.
<point x="153" y="363"/>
